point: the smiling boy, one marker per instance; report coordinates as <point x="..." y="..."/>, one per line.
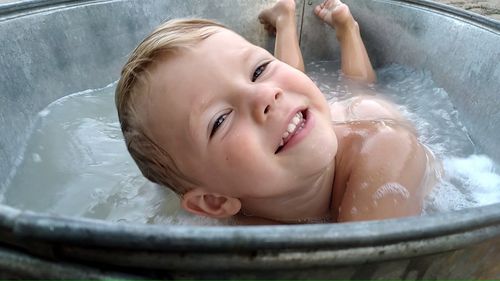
<point x="242" y="133"/>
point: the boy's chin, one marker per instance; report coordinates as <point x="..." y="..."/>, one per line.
<point x="323" y="152"/>
<point x="315" y="160"/>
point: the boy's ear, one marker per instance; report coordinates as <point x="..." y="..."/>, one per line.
<point x="200" y="202"/>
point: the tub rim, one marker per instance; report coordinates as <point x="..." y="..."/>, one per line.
<point x="27" y="7"/>
<point x="83" y="231"/>
<point x="21" y="8"/>
<point x="454" y="11"/>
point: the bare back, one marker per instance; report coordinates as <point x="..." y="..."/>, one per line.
<point x="381" y="166"/>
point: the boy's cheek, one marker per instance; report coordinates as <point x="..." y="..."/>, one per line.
<point x="240" y="149"/>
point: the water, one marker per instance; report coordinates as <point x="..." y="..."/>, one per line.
<point x="470" y="178"/>
<point x="76" y="163"/>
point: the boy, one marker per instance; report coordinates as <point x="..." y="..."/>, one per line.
<point x="240" y="133"/>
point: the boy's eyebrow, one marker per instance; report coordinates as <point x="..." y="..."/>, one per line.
<point x="247" y="54"/>
<point x="204" y="104"/>
<point x="198" y="108"/>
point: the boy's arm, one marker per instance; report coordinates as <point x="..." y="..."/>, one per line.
<point x="354" y="58"/>
<point x="386" y="179"/>
<point x="355" y="62"/>
<point x="287" y="47"/>
<point x="281" y="19"/>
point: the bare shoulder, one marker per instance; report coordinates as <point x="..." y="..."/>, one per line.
<point x="364" y="107"/>
<point x="389" y="145"/>
<point x="386" y="175"/>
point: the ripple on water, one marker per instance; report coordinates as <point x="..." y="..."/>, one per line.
<point x="76" y="162"/>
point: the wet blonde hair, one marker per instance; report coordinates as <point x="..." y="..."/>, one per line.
<point x="170" y="38"/>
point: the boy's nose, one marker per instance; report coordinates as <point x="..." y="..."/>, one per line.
<point x="264" y="102"/>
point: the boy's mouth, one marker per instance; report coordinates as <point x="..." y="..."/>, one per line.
<point x="295" y="125"/>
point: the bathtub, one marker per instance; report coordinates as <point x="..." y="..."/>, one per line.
<point x="52" y="48"/>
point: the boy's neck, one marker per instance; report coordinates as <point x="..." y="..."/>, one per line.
<point x="312" y="206"/>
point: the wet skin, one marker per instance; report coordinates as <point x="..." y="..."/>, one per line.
<point x="223" y="116"/>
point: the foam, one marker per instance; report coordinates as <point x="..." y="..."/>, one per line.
<point x="391" y="189"/>
<point x="469" y="179"/>
<point x="477" y="175"/>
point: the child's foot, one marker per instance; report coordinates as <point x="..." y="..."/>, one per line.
<point x="336" y="14"/>
<point x="281" y="13"/>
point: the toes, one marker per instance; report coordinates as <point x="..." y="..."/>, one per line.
<point x="318" y="10"/>
<point x="321" y="12"/>
<point x="326" y="4"/>
<point x="270" y="29"/>
<point x="262" y="17"/>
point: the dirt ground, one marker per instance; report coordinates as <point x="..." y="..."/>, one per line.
<point x="489" y="8"/>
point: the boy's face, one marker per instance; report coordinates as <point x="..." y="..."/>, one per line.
<point x="222" y="111"/>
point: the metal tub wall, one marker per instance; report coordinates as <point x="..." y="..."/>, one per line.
<point x="53" y="48"/>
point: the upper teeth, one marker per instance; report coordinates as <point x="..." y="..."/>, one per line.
<point x="296" y="120"/>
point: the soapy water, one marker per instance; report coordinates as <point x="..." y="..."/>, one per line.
<point x="76" y="163"/>
<point x="391" y="188"/>
<point x="470" y="178"/>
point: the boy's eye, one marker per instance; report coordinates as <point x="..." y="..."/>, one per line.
<point x="218" y="123"/>
<point x="259" y="71"/>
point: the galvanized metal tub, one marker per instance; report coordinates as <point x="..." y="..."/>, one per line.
<point x="52" y="48"/>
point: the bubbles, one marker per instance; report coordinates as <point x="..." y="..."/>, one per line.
<point x="428" y="107"/>
<point x="469" y="179"/>
<point x="44" y="113"/>
<point x="391" y="189"/>
<point x="476" y="175"/>
<point x="36" y="158"/>
<point x="446" y="197"/>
